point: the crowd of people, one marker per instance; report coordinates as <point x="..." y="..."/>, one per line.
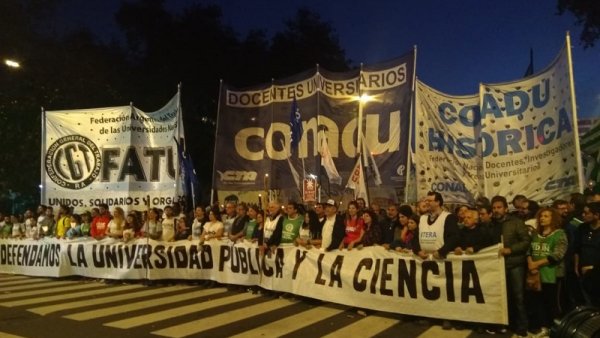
<point x="550" y="251"/>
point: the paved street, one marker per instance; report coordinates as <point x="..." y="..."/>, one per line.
<point x="73" y="307"/>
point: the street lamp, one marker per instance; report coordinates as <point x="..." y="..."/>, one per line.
<point x="12" y="63"/>
<point x="362" y="100"/>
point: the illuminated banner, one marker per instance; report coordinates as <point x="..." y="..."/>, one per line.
<point x="253" y="136"/>
<point x="447" y="158"/>
<point x="372" y="278"/>
<point x="528" y="145"/>
<point x="120" y="156"/>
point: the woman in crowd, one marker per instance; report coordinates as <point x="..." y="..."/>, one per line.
<point x="408" y="233"/>
<point x="311" y="221"/>
<point x="372" y="228"/>
<point x="86" y="223"/>
<point x="63" y="221"/>
<point x="260" y="226"/>
<point x="181" y="232"/>
<point x="547" y="249"/>
<point x="152" y="227"/>
<point x="116" y="224"/>
<point x="355" y="227"/>
<point x="405" y="212"/>
<point x="132" y="228"/>
<point x="74" y="227"/>
<point x="213" y="229"/>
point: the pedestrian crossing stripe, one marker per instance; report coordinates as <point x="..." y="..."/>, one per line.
<point x="64" y="296"/>
<point x="21" y="281"/>
<point x="293" y="323"/>
<point x="146" y="304"/>
<point x="40" y="286"/>
<point x="67" y="286"/>
<point x="45" y="310"/>
<point x="207" y="323"/>
<point x="178" y="311"/>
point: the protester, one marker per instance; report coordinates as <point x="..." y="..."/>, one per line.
<point x="100" y="223"/>
<point x="117" y="224"/>
<point x="167" y="225"/>
<point x="372" y="233"/>
<point x="545" y="263"/>
<point x="354" y="227"/>
<point x="334" y="229"/>
<point x="512" y="232"/>
<point x="74" y="227"/>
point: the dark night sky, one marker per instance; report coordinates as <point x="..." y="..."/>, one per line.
<point x="459" y="43"/>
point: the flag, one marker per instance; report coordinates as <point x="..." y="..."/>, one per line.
<point x="293" y="170"/>
<point x="529" y="70"/>
<point x="370" y="163"/>
<point x="188" y="173"/>
<point x="356" y="181"/>
<point x="327" y="162"/>
<point x="295" y="126"/>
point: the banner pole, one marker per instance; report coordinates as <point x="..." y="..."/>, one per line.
<point x="410" y="126"/>
<point x="319" y="172"/>
<point x="580" y="177"/>
<point x="212" y="189"/>
<point x="42" y="186"/>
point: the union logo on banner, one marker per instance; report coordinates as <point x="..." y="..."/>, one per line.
<point x="309" y="190"/>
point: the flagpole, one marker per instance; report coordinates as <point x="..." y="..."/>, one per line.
<point x="42" y="175"/>
<point x="574" y="116"/>
<point x="212" y="189"/>
<point x="360" y="135"/>
<point x="318" y="134"/>
<point x="410" y="127"/>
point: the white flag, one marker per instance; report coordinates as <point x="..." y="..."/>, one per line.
<point x="357" y="181"/>
<point x="369" y="161"/>
<point x="327" y="162"/>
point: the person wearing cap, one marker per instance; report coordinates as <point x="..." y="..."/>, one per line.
<point x="334" y="229"/>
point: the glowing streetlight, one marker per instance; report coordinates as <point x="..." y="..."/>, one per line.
<point x="12" y="63"/>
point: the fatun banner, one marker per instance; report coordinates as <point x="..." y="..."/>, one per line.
<point x="120" y="156"/>
<point x="447" y="155"/>
<point x="253" y="136"/>
<point x="467" y="287"/>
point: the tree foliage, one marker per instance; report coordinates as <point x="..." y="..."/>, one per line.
<point x="158" y="51"/>
<point x="587" y="13"/>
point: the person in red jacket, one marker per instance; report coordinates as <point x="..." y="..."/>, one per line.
<point x="100" y="223"/>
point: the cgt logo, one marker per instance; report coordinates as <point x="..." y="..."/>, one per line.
<point x="73" y="162"/>
<point x="237" y="176"/>
<point x="561" y="183"/>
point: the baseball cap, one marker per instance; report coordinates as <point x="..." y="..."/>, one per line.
<point x="331" y="202"/>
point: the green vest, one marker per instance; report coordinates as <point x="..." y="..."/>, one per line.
<point x="542" y="247"/>
<point x="291" y="229"/>
<point x="250" y="226"/>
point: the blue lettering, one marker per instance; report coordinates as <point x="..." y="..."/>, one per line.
<point x="516" y="107"/>
<point x="490" y="106"/>
<point x="538" y="100"/>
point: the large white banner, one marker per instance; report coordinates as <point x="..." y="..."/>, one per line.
<point x="513" y="138"/>
<point x="372" y="278"/>
<point x="529" y="143"/>
<point x="120" y="156"/>
<point x="448" y="157"/>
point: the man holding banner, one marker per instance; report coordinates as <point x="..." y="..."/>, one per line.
<point x="512" y="233"/>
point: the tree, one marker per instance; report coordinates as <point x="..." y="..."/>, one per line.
<point x="587" y="13"/>
<point x="305" y="42"/>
